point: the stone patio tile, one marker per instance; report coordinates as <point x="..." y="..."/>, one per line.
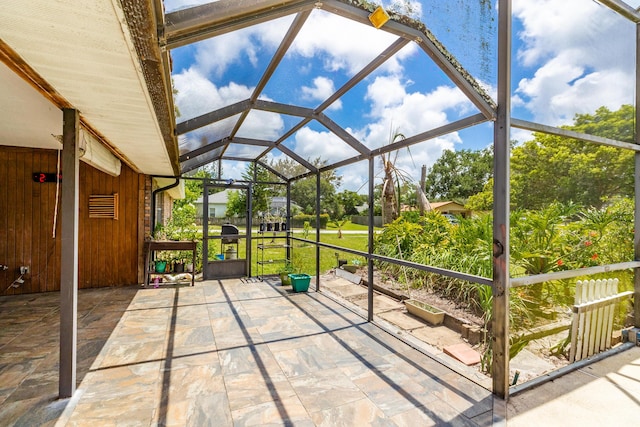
<point x="325" y="390"/>
<point x="435" y="413"/>
<point x="437" y="336"/>
<point x="302" y="361"/>
<point x="402" y="320"/>
<point x="246" y="390"/>
<point x="359" y="413"/>
<point x="273" y="413"/>
<point x="247" y="359"/>
<point x="185" y="356"/>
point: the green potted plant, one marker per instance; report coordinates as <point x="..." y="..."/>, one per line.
<point x="300" y="282"/>
<point x="178" y="262"/>
<point x="284" y="273"/>
<point x="161" y="261"/>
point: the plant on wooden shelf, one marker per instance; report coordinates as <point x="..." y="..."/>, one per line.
<point x="163" y="258"/>
<point x="159" y="233"/>
<point x="179" y="261"/>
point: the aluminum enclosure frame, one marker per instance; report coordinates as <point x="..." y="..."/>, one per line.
<point x="201" y="22"/>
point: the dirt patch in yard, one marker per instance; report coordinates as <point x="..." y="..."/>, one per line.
<point x="454" y="310"/>
<point x="541" y="359"/>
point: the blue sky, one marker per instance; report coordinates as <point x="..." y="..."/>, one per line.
<point x="570" y="57"/>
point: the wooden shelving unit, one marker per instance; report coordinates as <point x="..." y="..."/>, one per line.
<point x="168" y="245"/>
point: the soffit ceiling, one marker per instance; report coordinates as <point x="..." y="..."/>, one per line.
<point x="87" y="56"/>
<point x="229" y="131"/>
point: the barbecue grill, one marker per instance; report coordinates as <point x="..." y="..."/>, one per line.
<point x="228" y="233"/>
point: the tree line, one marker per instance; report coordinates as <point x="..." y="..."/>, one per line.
<point x="544" y="170"/>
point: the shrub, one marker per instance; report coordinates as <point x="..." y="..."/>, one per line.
<point x="298" y="220"/>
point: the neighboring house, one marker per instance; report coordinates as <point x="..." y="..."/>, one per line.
<point x="217" y="205"/>
<point x="450" y="207"/>
<point x="278" y="206"/>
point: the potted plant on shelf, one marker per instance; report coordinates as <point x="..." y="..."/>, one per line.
<point x="284" y="273"/>
<point x="159" y="233"/>
<point x="161" y="261"/>
<point x="179" y="261"/>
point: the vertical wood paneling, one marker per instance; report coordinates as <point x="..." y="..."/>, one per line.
<point x="87" y="230"/>
<point x="11" y="207"/>
<point x="48" y="200"/>
<point x="143" y="216"/>
<point x="124" y="224"/>
<point x="113" y="268"/>
<point x="83" y="259"/>
<point x="109" y="249"/>
<point x="27" y="249"/>
<point x="54" y="211"/>
<point x="36" y="249"/>
<point x="4" y="225"/>
<point x="18" y="191"/>
<point x="42" y="228"/>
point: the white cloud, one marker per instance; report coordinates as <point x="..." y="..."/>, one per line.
<point x="173" y="5"/>
<point x="409" y="113"/>
<point x="214" y="56"/>
<point x="581" y="56"/>
<point x="322" y="89"/>
<point x="355" y="177"/>
<point x="311" y="144"/>
<point x="349" y="49"/>
<point x="393" y="109"/>
<point x="197" y="95"/>
<point x="262" y="125"/>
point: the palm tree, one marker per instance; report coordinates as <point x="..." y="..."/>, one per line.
<point x="423" y="203"/>
<point x="392" y="178"/>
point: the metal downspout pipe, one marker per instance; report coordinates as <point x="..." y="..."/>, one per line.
<point x="153" y="200"/>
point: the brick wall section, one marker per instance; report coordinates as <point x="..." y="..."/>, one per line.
<point x="147" y="207"/>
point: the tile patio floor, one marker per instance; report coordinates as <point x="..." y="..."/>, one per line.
<point x="221" y="354"/>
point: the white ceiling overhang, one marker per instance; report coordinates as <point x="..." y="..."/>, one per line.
<point x="83" y="55"/>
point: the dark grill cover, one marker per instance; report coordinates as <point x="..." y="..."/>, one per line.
<point x="229" y="230"/>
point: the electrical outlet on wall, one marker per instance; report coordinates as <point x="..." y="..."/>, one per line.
<point x="24" y="269"/>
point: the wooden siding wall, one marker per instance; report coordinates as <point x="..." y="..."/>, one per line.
<point x="109" y="250"/>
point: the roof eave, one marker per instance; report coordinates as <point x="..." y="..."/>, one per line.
<point x="144" y="18"/>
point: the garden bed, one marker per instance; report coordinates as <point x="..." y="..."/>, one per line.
<point x="399" y="291"/>
<point x="538" y="346"/>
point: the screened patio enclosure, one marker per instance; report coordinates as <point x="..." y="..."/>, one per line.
<point x="255" y="83"/>
<point x="239" y="129"/>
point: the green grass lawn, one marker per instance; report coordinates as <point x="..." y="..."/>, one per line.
<point x="350" y="226"/>
<point x="303" y="255"/>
